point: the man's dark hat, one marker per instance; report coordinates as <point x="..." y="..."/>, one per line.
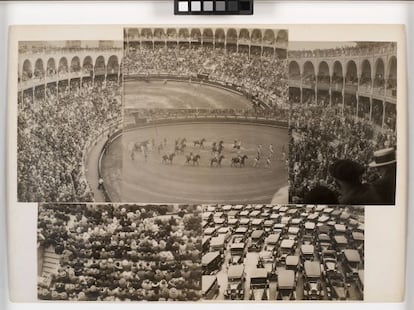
<point x="346" y="170"/>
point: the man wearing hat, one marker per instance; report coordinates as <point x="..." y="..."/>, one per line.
<point x="347" y="174"/>
<point x="386" y="164"/>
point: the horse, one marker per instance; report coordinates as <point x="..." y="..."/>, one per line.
<point x="196" y="159"/>
<point x="220" y="148"/>
<point x="179" y="148"/>
<point x="199" y="142"/>
<point x="214" y="147"/>
<point x="138" y="145"/>
<point x="216" y="161"/>
<point x="236" y="145"/>
<point x="238" y="161"/>
<point x="217" y="148"/>
<point x="242" y="160"/>
<point x="188" y="158"/>
<point x="168" y="158"/>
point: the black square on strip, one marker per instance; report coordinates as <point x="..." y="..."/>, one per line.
<point x="233" y="6"/>
<point x="245" y="5"/>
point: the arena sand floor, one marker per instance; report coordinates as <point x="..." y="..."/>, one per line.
<point x="152" y="181"/>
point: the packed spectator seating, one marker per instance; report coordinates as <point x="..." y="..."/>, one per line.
<point x="361" y="49"/>
<point x="319" y="136"/>
<point x="277" y="114"/>
<point x="264" y="77"/>
<point x="53" y="131"/>
<point x="122" y="252"/>
<point x="57" y="121"/>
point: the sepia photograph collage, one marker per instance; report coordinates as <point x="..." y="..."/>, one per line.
<point x="205" y="163"/>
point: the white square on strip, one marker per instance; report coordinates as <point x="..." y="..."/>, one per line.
<point x="183" y="6"/>
<point x="195" y="6"/>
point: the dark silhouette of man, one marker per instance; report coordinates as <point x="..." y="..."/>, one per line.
<point x="347" y="175"/>
<point x="386" y="164"/>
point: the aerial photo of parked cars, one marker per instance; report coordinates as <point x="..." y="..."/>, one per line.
<point x="295" y="252"/>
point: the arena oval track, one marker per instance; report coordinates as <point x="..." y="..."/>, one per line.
<point x="152" y="181"/>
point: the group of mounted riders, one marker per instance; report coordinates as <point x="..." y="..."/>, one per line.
<point x="217" y="149"/>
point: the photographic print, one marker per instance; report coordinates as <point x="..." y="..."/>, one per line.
<point x="119" y="252"/>
<point x="69" y="101"/>
<point x="205" y="115"/>
<point x="342" y="128"/>
<point x="206" y="163"/>
<point x="280" y="252"/>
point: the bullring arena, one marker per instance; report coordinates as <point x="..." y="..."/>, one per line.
<point x="146" y="177"/>
<point x="205" y="117"/>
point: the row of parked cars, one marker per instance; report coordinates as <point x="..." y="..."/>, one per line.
<point x="320" y="247"/>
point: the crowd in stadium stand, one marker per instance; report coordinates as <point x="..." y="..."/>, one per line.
<point x="53" y="131"/>
<point x="361" y="49"/>
<point x="277" y="114"/>
<point x="39" y="74"/>
<point x="320" y="135"/>
<point x="262" y="77"/>
<point x="125" y="252"/>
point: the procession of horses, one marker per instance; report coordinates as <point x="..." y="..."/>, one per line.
<point x="215" y="153"/>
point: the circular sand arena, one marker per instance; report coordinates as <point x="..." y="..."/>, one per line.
<point x="151" y="180"/>
<point x="180" y="95"/>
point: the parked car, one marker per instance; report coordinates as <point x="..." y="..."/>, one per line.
<point x="293" y="263"/>
<point x="307" y="252"/>
<point x="293" y="232"/>
<point x="242" y="232"/>
<point x="336" y="287"/>
<point x="237" y="253"/>
<point x="224" y="231"/>
<point x="272" y="242"/>
<point x="351" y="263"/>
<point x="286" y="285"/>
<point x="210" y="231"/>
<point x="309" y="229"/>
<point x="257" y="224"/>
<point x="329" y="262"/>
<point x="266" y="260"/>
<point x="287" y="247"/>
<point x="235" y="282"/>
<point x="218" y="244"/>
<point x="268" y="225"/>
<point x="312" y="281"/>
<point x="209" y="287"/>
<point x="259" y="284"/>
<point x="257" y="239"/>
<point x="340" y="243"/>
<point x="212" y="262"/>
<point x="233" y="222"/>
<point x="324" y="242"/>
